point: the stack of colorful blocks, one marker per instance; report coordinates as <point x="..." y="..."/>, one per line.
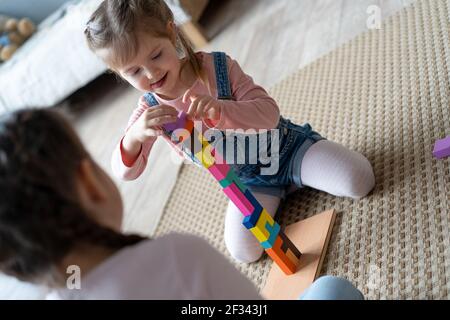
<point x="256" y="218"/>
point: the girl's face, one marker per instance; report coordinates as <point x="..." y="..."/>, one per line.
<point x="155" y="68"/>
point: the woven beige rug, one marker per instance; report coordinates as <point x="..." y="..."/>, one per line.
<point x="385" y="94"/>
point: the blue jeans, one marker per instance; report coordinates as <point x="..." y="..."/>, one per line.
<point x="332" y="288"/>
<point x="293" y="142"/>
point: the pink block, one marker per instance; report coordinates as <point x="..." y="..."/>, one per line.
<point x="219" y="171"/>
<point x="235" y="194"/>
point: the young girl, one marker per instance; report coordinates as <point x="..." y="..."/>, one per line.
<point x="139" y="40"/>
<point x="60" y="210"/>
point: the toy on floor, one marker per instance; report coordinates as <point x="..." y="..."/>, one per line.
<point x="256" y="218"/>
<point x="312" y="235"/>
<point x="13" y="33"/>
<point x="442" y="148"/>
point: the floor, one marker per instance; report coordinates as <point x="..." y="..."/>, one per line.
<point x="270" y="39"/>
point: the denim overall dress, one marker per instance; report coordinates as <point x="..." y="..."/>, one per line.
<point x="294" y="141"/>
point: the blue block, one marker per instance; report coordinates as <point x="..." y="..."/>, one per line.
<point x="274" y="231"/>
<point x="255" y="203"/>
<point x="251" y="220"/>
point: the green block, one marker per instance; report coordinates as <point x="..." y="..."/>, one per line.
<point x="232" y="178"/>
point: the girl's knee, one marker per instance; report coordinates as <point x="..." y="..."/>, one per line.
<point x="360" y="179"/>
<point x="243" y="253"/>
<point x="240" y="242"/>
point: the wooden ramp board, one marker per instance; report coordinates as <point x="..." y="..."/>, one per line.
<point x="311" y="236"/>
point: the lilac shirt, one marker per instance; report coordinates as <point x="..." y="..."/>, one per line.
<point x="175" y="266"/>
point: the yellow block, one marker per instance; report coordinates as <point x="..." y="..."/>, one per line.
<point x="260" y="230"/>
<point x="205" y="156"/>
<point x="203" y="140"/>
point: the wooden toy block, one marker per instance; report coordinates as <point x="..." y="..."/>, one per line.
<point x="181" y="136"/>
<point x="263" y="227"/>
<point x="188" y="139"/>
<point x="442" y="148"/>
<point x="219" y="171"/>
<point x="202" y="139"/>
<point x="180" y="123"/>
<point x="274" y="231"/>
<point x="311" y="236"/>
<point x="251" y="220"/>
<point x="196" y="143"/>
<point x="218" y="156"/>
<point x="250" y="197"/>
<point x="238" y="198"/>
<point x="287" y="245"/>
<point x="289" y="249"/>
<point x="292" y="257"/>
<point x="233" y="178"/>
<point x="189" y="125"/>
<point x="205" y="156"/>
<point x="280" y="257"/>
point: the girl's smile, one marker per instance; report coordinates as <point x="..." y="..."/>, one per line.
<point x="156" y="67"/>
<point x="158" y="84"/>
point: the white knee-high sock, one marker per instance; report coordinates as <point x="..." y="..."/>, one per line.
<point x="333" y="168"/>
<point x="240" y="242"/>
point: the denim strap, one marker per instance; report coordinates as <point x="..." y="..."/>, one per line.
<point x="222" y="79"/>
<point x="150" y="98"/>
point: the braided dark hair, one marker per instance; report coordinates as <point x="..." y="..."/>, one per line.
<point x="41" y="219"/>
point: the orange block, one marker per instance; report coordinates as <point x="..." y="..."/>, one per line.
<point x="288" y="246"/>
<point x="292" y="257"/>
<point x="312" y="236"/>
<point x="280" y="257"/>
<point x="189" y="127"/>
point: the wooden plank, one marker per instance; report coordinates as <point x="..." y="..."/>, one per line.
<point x="311" y="236"/>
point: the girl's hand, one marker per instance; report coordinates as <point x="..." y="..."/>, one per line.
<point x="202" y="106"/>
<point x="148" y="125"/>
<point x="151" y="120"/>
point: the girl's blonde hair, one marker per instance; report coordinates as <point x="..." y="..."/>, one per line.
<point x="115" y="23"/>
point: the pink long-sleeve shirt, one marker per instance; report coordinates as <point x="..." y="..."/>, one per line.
<point x="252" y="108"/>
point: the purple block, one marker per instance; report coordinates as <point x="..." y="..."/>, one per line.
<point x="442" y="148"/>
<point x="180" y="123"/>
